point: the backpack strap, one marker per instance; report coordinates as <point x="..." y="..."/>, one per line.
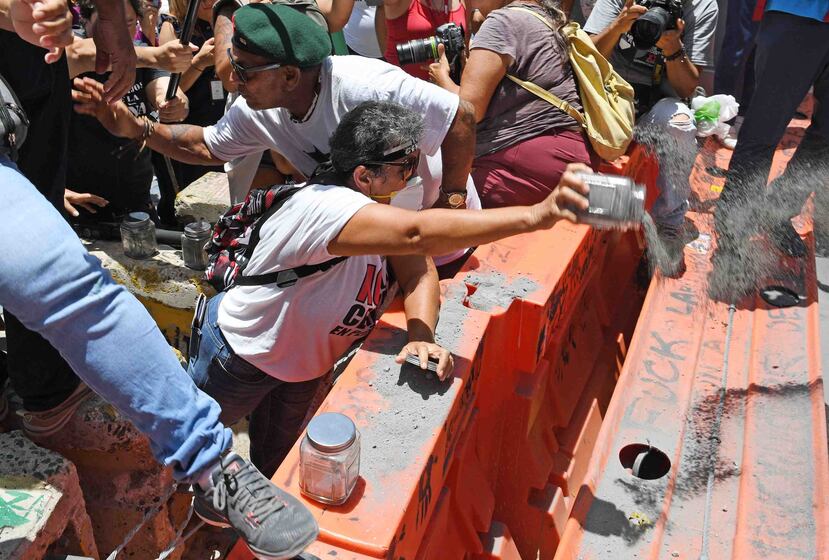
<point x="539" y="91"/>
<point x="289" y="276"/>
<point x="550" y="98"/>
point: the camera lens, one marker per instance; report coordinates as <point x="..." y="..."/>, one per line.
<point x="417" y="50"/>
<point x="647" y="30"/>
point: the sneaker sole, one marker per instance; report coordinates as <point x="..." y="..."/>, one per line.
<point x="287" y="555"/>
<point x="212" y="522"/>
<point x="261" y="554"/>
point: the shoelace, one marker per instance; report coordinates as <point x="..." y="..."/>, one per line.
<point x="258" y="499"/>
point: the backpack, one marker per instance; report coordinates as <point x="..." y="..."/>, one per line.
<point x="13" y="121"/>
<point x="607" y="99"/>
<point x="236" y="235"/>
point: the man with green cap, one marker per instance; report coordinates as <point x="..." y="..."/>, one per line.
<point x="294" y="94"/>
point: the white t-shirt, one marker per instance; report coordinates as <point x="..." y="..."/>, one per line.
<point x="360" y="34"/>
<point x="345" y="82"/>
<point x="298" y="332"/>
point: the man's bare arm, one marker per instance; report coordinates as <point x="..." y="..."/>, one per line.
<point x="222" y="34"/>
<point x="458" y="148"/>
<point x="182" y="142"/>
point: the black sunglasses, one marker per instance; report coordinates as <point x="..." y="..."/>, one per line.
<point x="243" y="72"/>
<point x="408" y="165"/>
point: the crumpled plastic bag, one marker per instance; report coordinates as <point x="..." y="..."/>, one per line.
<point x="711" y="114"/>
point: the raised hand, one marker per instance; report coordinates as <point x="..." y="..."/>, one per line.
<point x="44" y="23"/>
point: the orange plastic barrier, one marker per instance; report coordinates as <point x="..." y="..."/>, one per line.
<point x="732" y="398"/>
<point x="468" y="468"/>
<point x="640" y="165"/>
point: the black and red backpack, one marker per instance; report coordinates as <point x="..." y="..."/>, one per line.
<point x="236" y="235"/>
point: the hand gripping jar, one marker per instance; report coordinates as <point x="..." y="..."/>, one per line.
<point x="138" y="235"/>
<point x="329" y="458"/>
<point x="616" y="202"/>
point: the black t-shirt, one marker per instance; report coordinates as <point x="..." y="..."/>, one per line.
<point x="103" y="164"/>
<point x="44" y="91"/>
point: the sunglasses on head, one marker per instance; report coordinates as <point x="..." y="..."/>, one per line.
<point x="242" y="71"/>
<point x="408" y="165"/>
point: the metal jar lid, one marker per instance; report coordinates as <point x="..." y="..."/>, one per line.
<point x="331" y="432"/>
<point x="136" y="220"/>
<point x="197" y="230"/>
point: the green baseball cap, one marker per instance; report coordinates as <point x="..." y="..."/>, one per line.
<point x="280" y="33"/>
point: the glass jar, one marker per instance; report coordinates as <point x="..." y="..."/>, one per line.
<point x="138" y="235"/>
<point x="196" y="235"/>
<point x="616" y="202"/>
<point x="329" y="458"/>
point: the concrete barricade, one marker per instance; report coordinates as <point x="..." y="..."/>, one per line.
<point x="42" y="508"/>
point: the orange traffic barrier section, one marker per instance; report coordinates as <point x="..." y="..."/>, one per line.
<point x="714" y="445"/>
<point x="471" y="467"/>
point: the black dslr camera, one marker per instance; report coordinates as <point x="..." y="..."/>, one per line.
<point x="423" y="50"/>
<point x="660" y="17"/>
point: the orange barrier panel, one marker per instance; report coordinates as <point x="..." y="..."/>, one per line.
<point x="438" y="459"/>
<point x="640" y="165"/>
<point x="732" y="395"/>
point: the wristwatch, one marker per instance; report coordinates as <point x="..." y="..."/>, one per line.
<point x="454" y="199"/>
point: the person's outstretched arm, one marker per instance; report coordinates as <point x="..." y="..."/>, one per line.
<point x="57" y="289"/>
<point x="380" y="229"/>
<point x="183" y="142"/>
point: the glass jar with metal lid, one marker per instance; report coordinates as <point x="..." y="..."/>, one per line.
<point x="195" y="237"/>
<point x="138" y="235"/>
<point x="329" y="458"/>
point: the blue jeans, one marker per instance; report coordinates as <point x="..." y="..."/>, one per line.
<point x="676" y="149"/>
<point x="277" y="408"/>
<point x="55" y="288"/>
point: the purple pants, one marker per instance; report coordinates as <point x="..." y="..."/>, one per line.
<point x="527" y="172"/>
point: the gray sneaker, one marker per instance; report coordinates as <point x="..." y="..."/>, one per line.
<point x="274" y="524"/>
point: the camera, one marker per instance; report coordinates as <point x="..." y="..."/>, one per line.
<point x="660" y="17"/>
<point x="423" y="50"/>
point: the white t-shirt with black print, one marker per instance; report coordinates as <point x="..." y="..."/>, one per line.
<point x="297" y="333"/>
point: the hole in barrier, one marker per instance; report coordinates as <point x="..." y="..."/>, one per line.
<point x="644" y="461"/>
<point x="780" y="296"/>
<point x="470" y="290"/>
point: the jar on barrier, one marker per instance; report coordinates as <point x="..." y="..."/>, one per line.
<point x="616" y="202"/>
<point x="196" y="235"/>
<point x="329" y="458"/>
<point x="138" y="235"/>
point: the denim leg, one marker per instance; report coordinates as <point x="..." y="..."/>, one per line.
<point x="236" y="385"/>
<point x="670" y="130"/>
<point x="277" y="421"/>
<point x="36" y="371"/>
<point x="54" y="287"/>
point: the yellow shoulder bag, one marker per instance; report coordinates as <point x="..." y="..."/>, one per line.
<point x="606" y="97"/>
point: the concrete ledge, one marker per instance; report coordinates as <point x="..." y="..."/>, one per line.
<point x="207" y="197"/>
<point x="42" y="508"/>
<point x="166" y="287"/>
<point x="120" y="479"/>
